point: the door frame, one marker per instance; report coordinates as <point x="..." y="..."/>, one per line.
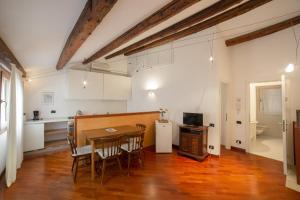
<point x="248" y="114"/>
<point x="227" y="105"/>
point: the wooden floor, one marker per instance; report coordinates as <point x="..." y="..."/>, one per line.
<point x="165" y="176"/>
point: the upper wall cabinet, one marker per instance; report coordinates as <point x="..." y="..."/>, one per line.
<point x="116" y="87"/>
<point x="84" y="85"/>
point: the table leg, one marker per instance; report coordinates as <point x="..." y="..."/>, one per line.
<point x="93" y="161"/>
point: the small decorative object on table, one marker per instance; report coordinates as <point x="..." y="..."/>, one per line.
<point x="111" y="130"/>
<point x="163" y="112"/>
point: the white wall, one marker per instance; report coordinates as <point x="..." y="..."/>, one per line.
<point x="3" y="138"/>
<point x="264" y="60"/>
<point x="189" y="84"/>
<point x="55" y="82"/>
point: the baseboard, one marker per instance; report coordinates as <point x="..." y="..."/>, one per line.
<point x="150" y="148"/>
<point x="232" y="148"/>
<point x="213" y="155"/>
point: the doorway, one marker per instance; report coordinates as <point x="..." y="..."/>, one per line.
<point x="252" y="122"/>
<point x="266" y="120"/>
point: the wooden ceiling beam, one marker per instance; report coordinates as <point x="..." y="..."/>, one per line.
<point x="234" y="12"/>
<point x="169" y="10"/>
<point x="7" y="56"/>
<point x="90" y="17"/>
<point x="264" y="31"/>
<point x="185" y="23"/>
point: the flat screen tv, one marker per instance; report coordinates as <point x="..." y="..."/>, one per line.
<point x="193" y="119"/>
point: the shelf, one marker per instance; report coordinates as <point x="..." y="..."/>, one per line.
<point x="55" y="143"/>
<point x="56" y="131"/>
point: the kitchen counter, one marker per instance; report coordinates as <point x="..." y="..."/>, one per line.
<point x="37" y="132"/>
<point x="47" y="120"/>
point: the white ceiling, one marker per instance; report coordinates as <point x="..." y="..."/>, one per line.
<point x="36" y="30"/>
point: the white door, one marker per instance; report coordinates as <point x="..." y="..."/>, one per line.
<point x="284" y="123"/>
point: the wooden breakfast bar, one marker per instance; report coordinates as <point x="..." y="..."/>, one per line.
<point x="92" y="122"/>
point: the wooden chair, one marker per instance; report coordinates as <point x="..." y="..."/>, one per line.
<point x="133" y="146"/>
<point x="141" y="127"/>
<point x="108" y="148"/>
<point x="79" y="154"/>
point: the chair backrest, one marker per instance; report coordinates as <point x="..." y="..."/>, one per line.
<point x="135" y="141"/>
<point x="109" y="146"/>
<point x="72" y="144"/>
<point x="141" y="127"/>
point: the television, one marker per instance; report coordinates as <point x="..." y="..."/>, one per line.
<point x="193" y="119"/>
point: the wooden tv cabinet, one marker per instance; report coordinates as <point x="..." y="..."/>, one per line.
<point x="193" y="141"/>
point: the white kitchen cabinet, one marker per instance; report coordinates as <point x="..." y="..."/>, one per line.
<point x="77" y="90"/>
<point x="116" y="87"/>
<point x="163" y="137"/>
<point x="33" y="137"/>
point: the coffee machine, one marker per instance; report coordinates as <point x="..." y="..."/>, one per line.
<point x="36" y="115"/>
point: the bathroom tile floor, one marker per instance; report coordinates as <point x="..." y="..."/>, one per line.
<point x="268" y="146"/>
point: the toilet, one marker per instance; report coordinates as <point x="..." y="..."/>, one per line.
<point x="260" y="129"/>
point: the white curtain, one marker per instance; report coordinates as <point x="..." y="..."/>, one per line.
<point x="14" y="156"/>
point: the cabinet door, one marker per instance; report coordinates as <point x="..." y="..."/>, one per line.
<point x="117" y="87"/>
<point x="185" y="142"/>
<point x="163" y="138"/>
<point x="93" y="89"/>
<point x="195" y="145"/>
<point x="204" y="142"/>
<point x="33" y="137"/>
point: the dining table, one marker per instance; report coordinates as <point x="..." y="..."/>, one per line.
<point x="93" y="134"/>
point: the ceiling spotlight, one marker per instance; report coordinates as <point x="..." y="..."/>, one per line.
<point x="290" y="68"/>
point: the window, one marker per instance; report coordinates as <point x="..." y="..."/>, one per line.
<point x="271" y="101"/>
<point x="4" y="88"/>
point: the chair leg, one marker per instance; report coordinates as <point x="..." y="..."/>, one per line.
<point x="103" y="169"/>
<point x="128" y="167"/>
<point x="143" y="158"/>
<point x="73" y="164"/>
<point x="140" y="159"/>
<point x="119" y="163"/>
<point x="76" y="168"/>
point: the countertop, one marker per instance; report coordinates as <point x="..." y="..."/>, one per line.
<point x="47" y="120"/>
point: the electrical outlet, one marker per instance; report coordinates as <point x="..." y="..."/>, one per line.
<point x="238" y="141"/>
<point x="53" y="111"/>
<point x="211" y="125"/>
<point x="238" y="122"/>
<point x="211" y="147"/>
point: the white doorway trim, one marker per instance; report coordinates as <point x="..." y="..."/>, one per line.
<point x="225" y="115"/>
<point x="251" y="88"/>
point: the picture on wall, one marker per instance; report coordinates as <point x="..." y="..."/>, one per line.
<point x="47" y="98"/>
